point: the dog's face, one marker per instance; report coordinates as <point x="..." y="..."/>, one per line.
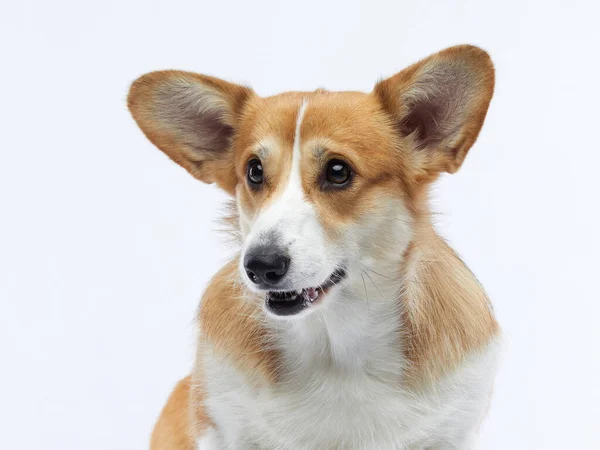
<point x="327" y="185"/>
<point x="317" y="177"/>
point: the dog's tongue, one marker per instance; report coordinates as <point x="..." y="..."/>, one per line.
<point x="312" y="294"/>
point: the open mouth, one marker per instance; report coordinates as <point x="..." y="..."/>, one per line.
<point x="288" y="303"/>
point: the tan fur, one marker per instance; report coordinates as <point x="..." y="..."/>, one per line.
<point x="179" y="421"/>
<point x="446" y="313"/>
<point x="230" y="320"/>
<point x="357" y="130"/>
<point x="268" y="126"/>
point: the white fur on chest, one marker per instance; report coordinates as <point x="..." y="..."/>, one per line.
<point x="341" y="388"/>
<point x="327" y="410"/>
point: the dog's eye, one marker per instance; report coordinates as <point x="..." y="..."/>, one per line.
<point x="255" y="172"/>
<point x="337" y="172"/>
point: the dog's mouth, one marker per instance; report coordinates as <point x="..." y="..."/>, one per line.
<point x="289" y="303"/>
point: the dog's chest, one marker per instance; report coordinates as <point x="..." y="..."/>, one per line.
<point x="323" y="408"/>
<point x="341" y="386"/>
<point x="333" y="411"/>
<point x="326" y="409"/>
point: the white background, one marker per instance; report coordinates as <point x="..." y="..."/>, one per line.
<point x="106" y="246"/>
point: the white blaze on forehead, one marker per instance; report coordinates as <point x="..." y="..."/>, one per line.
<point x="287" y="213"/>
<point x="293" y="191"/>
<point x="290" y="224"/>
<point x="295" y="178"/>
<point x="291" y="199"/>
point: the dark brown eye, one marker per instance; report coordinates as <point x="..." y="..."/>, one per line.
<point x="255" y="173"/>
<point x="337" y="172"/>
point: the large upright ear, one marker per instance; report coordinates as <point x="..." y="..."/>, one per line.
<point x="192" y="118"/>
<point x="438" y="105"/>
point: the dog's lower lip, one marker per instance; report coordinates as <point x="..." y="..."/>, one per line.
<point x="288" y="303"/>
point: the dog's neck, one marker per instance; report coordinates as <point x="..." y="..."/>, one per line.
<point x="425" y="311"/>
<point x="358" y="327"/>
<point x="418" y="316"/>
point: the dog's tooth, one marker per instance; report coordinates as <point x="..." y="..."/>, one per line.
<point x="312" y="294"/>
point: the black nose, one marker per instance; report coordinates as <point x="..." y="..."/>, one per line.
<point x="266" y="265"/>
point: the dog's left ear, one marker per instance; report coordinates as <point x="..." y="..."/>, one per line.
<point x="438" y="106"/>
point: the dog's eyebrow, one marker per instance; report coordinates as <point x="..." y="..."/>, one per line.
<point x="262" y="152"/>
<point x="319" y="151"/>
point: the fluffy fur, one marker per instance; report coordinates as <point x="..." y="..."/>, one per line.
<point x="402" y="353"/>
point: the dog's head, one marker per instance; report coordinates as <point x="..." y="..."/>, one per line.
<point x="327" y="184"/>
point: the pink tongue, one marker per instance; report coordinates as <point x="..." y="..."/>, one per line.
<point x="312" y="294"/>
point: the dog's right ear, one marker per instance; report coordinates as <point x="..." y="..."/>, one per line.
<point x="192" y="118"/>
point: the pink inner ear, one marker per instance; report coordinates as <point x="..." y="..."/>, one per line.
<point x="423" y="121"/>
<point x="191" y="114"/>
<point x="207" y="134"/>
<point x="436" y="105"/>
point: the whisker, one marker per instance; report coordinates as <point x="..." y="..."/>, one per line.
<point x="366" y="295"/>
<point x="377" y="273"/>
<point x="376" y="287"/>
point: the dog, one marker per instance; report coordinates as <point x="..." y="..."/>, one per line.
<point x="345" y="321"/>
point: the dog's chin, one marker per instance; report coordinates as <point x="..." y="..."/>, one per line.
<point x="296" y="303"/>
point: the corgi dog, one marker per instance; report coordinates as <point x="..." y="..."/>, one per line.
<point x="345" y="321"/>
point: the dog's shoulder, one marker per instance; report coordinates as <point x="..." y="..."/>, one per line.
<point x="231" y="323"/>
<point x="447" y="313"/>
